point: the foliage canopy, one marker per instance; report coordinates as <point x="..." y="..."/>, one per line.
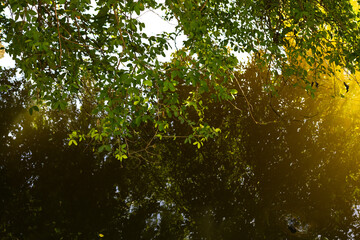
<point x="99" y="52"/>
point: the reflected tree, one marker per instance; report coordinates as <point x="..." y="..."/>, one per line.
<point x="50" y="190"/>
<point x="285" y="166"/>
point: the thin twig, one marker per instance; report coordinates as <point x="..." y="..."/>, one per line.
<point x="80" y="44"/>
<point x="203" y="6"/>
<point x="120" y="31"/>
<point x="250" y="107"/>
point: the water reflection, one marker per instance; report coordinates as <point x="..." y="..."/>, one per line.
<point x="295" y="178"/>
<point x="291" y="178"/>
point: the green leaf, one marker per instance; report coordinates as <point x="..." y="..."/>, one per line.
<point x="63" y="105"/>
<point x="137" y="9"/>
<point x="233" y="91"/>
<point x="101" y="148"/>
<point x="31" y="12"/>
<point x="120" y="156"/>
<point x="72" y="141"/>
<point x="171" y="87"/>
<point x="174" y="74"/>
<point x="148" y="83"/>
<point x="36" y="108"/>
<point x="4" y="88"/>
<point x="32" y="109"/>
<point x="138" y="120"/>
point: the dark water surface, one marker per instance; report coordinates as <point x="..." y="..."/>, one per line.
<point x="293" y="174"/>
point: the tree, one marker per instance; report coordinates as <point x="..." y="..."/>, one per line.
<point x="297" y="168"/>
<point x="49" y="190"/>
<point x="282" y="161"/>
<point x="62" y="46"/>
